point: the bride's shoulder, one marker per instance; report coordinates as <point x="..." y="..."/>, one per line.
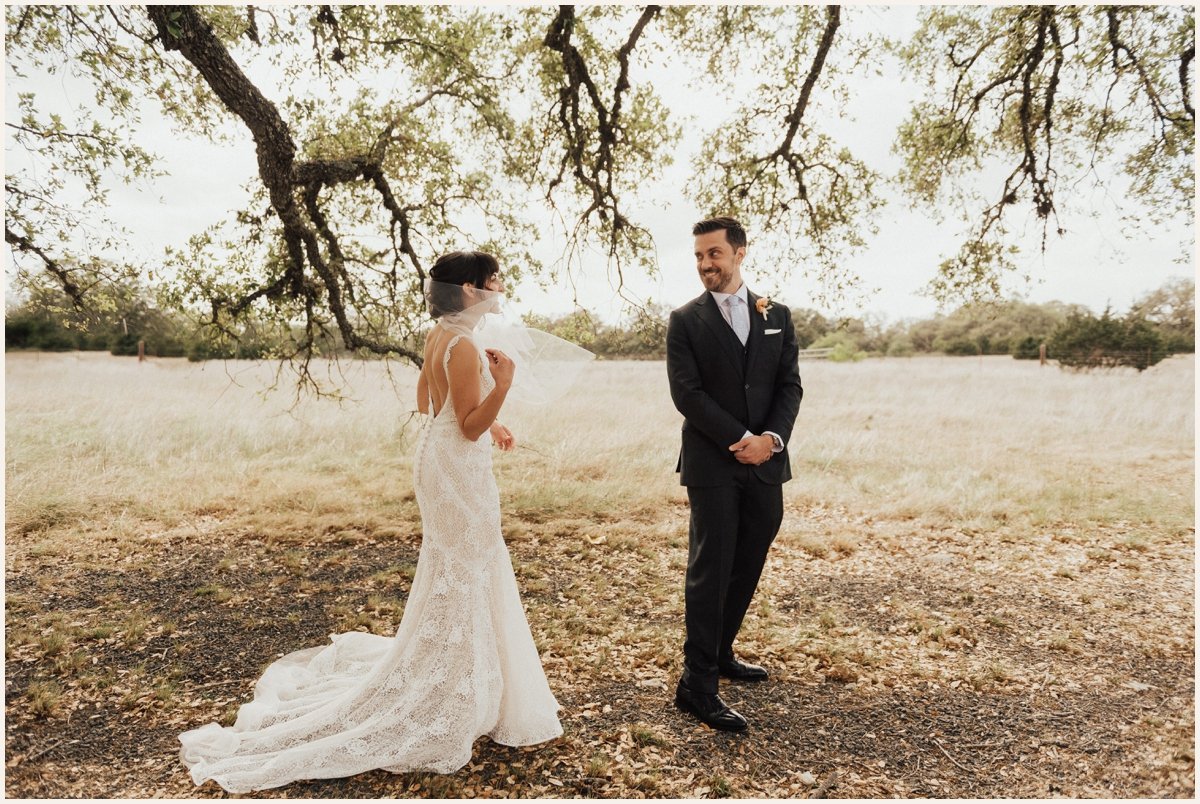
<point x="460" y="344"/>
<point x="457" y="341"/>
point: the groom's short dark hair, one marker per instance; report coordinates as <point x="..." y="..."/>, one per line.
<point x="734" y="233"/>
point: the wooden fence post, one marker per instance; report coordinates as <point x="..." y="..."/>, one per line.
<point x="1042" y="354"/>
<point x="141" y="351"/>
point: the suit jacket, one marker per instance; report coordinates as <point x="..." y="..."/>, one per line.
<point x="723" y="390"/>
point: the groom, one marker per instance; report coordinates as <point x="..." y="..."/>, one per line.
<point x="732" y="367"/>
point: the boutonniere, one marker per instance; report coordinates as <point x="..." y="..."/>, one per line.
<point x="763" y="305"/>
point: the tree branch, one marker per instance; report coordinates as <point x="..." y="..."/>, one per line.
<point x="1043" y="201"/>
<point x="22" y="243"/>
<point x="1185" y="61"/>
<point x="1156" y="102"/>
<point x="833" y="16"/>
<point x="794" y="163"/>
<point x="597" y="172"/>
<point x="60" y="135"/>
<point x="182" y="28"/>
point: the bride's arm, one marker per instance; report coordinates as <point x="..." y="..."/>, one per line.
<point x="476" y="415"/>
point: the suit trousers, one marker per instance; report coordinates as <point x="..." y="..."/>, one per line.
<point x="732" y="528"/>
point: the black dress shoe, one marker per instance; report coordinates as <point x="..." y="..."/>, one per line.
<point x="740" y="671"/>
<point x="710" y="709"/>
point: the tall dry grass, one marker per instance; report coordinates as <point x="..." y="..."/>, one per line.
<point x="90" y="436"/>
<point x="995" y="439"/>
<point x="96" y="439"/>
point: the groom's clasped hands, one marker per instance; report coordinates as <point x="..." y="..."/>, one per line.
<point x="753" y="450"/>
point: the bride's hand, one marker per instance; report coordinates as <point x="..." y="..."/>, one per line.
<point x="502" y="436"/>
<point x="501" y="367"/>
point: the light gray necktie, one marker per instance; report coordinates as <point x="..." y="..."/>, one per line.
<point x="739" y="317"/>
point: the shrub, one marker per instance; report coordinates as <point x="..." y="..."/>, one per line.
<point x="845" y="349"/>
<point x="205" y="348"/>
<point x="1085" y="342"/>
<point x="1028" y="349"/>
<point x="957" y="346"/>
<point x="31" y="329"/>
<point x="122" y="344"/>
<point x="900" y="347"/>
<point x="810" y="326"/>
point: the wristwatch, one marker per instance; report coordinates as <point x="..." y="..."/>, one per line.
<point x="776" y="439"/>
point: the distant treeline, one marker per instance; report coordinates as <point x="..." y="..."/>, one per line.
<point x="49" y="323"/>
<point x="1161" y="323"/>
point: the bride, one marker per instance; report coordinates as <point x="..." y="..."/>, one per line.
<point x="462" y="663"/>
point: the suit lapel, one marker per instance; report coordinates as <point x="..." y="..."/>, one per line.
<point x="706" y="309"/>
<point x="757" y="323"/>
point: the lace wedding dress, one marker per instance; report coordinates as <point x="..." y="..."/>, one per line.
<point x="462" y="663"/>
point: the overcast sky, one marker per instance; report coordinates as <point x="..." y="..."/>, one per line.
<point x="1094" y="264"/>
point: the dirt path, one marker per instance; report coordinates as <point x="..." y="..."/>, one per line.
<point x="906" y="661"/>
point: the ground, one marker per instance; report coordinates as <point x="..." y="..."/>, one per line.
<point x="911" y="656"/>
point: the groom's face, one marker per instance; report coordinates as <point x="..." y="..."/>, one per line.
<point x="718" y="263"/>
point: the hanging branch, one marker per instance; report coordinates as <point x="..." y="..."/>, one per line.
<point x="1161" y="112"/>
<point x="795" y="162"/>
<point x="1025" y="80"/>
<point x="595" y="171"/>
<point x="779" y="172"/>
<point x="1017" y="63"/>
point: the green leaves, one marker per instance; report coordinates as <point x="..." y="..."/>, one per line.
<point x="173" y="27"/>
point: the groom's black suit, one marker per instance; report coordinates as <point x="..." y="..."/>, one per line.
<point x="724" y="390"/>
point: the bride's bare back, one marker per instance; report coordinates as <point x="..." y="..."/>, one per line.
<point x="437" y="381"/>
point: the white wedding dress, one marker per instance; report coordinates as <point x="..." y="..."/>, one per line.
<point x="462" y="663"/>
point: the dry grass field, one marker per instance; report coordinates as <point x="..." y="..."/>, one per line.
<point x="984" y="585"/>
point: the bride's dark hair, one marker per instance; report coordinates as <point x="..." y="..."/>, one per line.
<point x="454" y="270"/>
